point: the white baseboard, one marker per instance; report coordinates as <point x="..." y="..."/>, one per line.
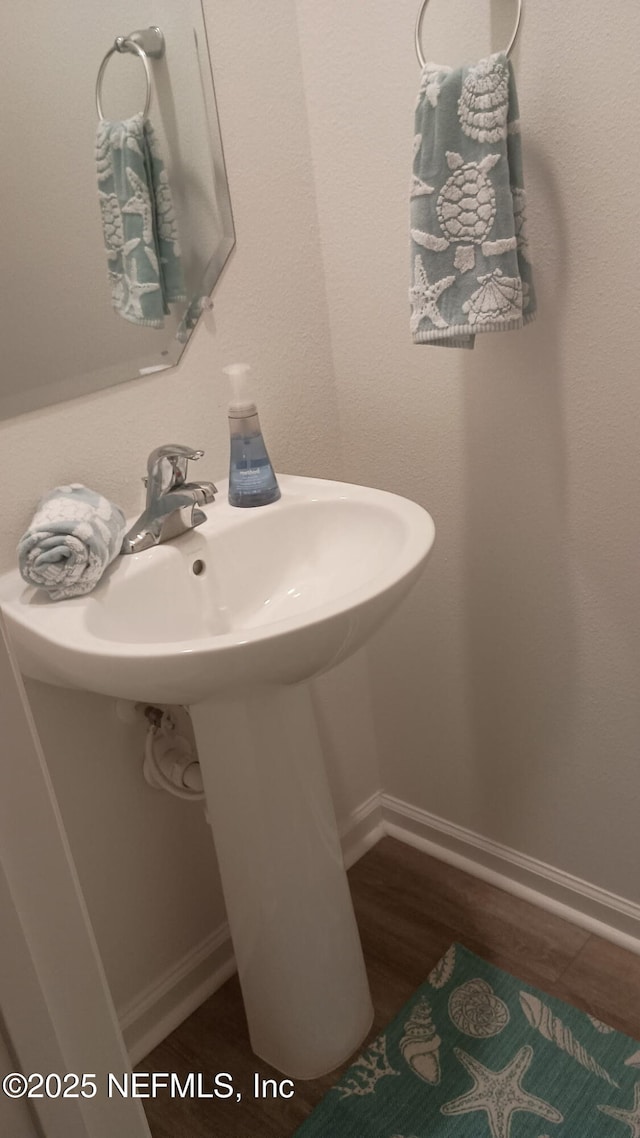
<point x="362" y="829"/>
<point x="161" y="1007"/>
<point x="578" y="901"/>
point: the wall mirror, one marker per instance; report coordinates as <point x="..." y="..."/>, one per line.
<point x="60" y="336"/>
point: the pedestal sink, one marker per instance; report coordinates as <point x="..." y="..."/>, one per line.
<point x="231" y="619"/>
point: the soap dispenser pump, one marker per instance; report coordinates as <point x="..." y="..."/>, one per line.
<point x="252" y="481"/>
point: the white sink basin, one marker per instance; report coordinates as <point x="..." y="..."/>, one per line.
<point x="229" y="619"/>
<point x="285" y="592"/>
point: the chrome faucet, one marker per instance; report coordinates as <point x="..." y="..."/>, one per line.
<point x="172" y="502"/>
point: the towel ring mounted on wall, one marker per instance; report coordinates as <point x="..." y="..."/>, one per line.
<point x="418" y="37"/>
<point x="149" y="42"/>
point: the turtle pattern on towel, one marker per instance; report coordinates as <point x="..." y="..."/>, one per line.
<point x="471" y="270"/>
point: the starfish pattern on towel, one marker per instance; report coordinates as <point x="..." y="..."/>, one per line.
<point x="140" y="203"/>
<point x="630" y="1117"/>
<point x="500" y="1093"/>
<point x="424" y="297"/>
<point x="137" y="289"/>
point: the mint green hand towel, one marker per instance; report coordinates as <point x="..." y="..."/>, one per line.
<point x="139" y="222"/>
<point x="470" y="263"/>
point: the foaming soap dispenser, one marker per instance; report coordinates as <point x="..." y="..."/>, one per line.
<point x="252" y="481"/>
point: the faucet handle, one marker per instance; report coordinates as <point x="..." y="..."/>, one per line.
<point x="167" y="468"/>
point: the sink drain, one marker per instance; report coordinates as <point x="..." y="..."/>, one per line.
<point x="198" y="567"/>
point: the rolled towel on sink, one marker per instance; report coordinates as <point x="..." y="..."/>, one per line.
<point x="74" y="534"/>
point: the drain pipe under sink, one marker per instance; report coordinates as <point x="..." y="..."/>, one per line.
<point x="170" y="760"/>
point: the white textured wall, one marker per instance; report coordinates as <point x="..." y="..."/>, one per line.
<point x="507" y="690"/>
<point x="144" y="859"/>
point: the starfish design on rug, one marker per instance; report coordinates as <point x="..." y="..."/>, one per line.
<point x="630" y="1117"/>
<point x="500" y="1093"/>
<point x="424" y="297"/>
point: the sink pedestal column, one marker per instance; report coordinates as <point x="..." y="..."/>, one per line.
<point x="294" y="932"/>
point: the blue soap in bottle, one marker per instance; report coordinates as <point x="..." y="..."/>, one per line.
<point x="252" y="481"/>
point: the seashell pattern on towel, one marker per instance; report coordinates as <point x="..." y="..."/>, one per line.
<point x="633" y="1060"/>
<point x="477" y="1011"/>
<point x="443" y="970"/>
<point x="484" y="101"/>
<point x="498" y="298"/>
<point x="420" y="1044"/>
<point x="552" y="1028"/>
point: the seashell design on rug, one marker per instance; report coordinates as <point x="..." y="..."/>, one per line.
<point x="552" y="1028"/>
<point x="420" y="1044"/>
<point x="442" y="972"/>
<point x="477" y="1011"/>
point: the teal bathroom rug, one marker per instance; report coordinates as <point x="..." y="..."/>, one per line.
<point x="476" y="1053"/>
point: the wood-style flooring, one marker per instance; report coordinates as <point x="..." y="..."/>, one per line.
<point x="410" y="907"/>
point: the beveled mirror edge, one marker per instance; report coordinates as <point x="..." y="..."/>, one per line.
<point x="49" y="394"/>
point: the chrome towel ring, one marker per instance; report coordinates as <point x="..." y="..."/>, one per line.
<point x="418" y="36"/>
<point x="145" y="43"/>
